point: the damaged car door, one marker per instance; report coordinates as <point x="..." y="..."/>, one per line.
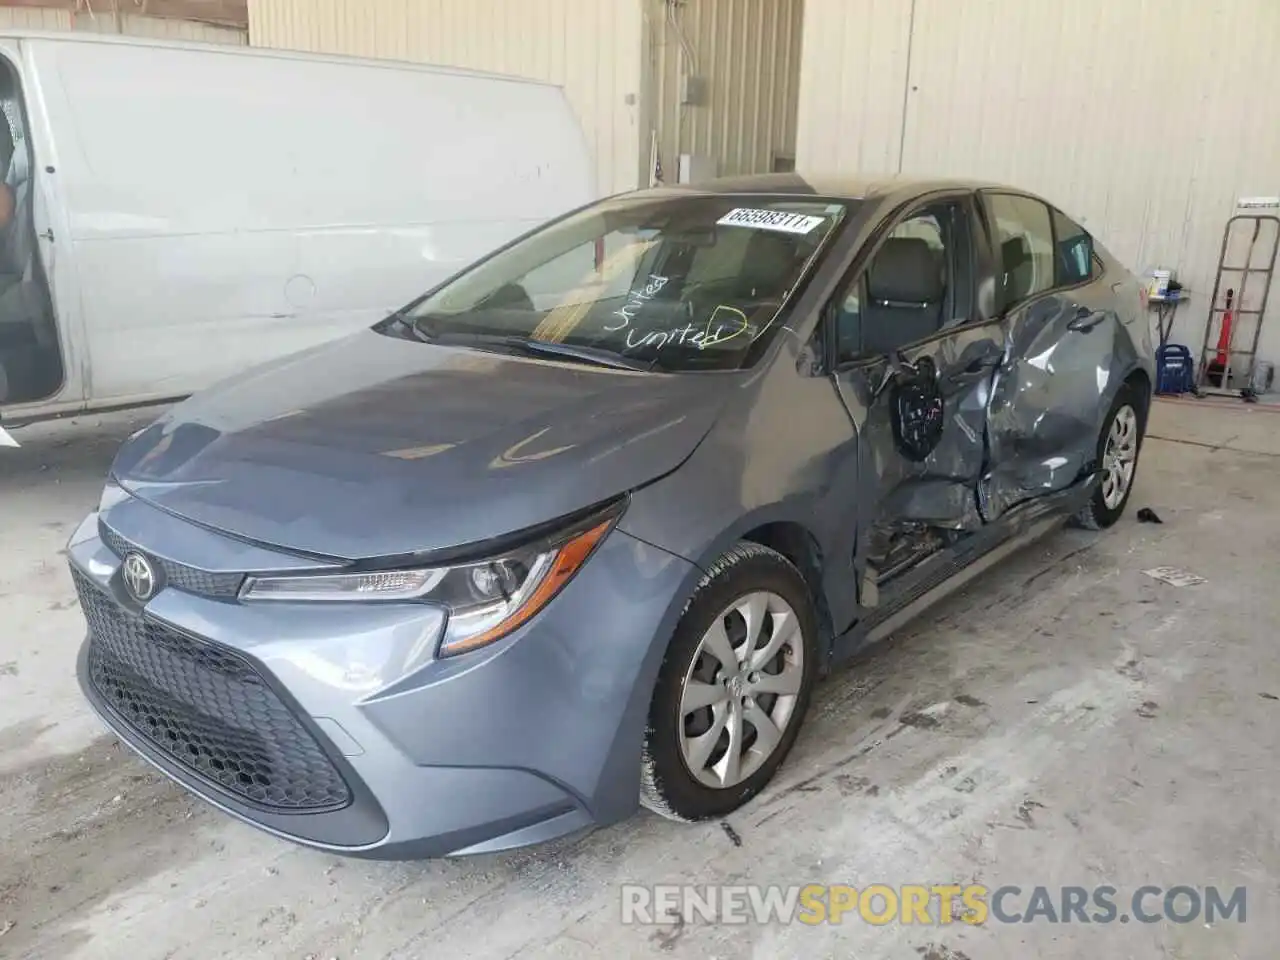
<point x="1049" y="397"/>
<point x="914" y="364"/>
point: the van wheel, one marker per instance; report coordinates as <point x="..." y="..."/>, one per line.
<point x="1118" y="446"/>
<point x="733" y="688"/>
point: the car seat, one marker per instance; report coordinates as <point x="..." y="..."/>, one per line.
<point x="905" y="290"/>
<point x="1015" y="255"/>
<point x="16" y="252"/>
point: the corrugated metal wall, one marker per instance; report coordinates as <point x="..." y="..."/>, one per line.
<point x="590" y="47"/>
<point x="1146" y="119"/>
<point x="852" y="76"/>
<point x="24" y="18"/>
<point x="748" y="54"/>
<point x="159" y="28"/>
<point x="134" y="25"/>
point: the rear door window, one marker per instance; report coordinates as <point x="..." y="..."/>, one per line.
<point x="1024" y="246"/>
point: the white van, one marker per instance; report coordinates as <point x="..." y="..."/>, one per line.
<point x="172" y="213"/>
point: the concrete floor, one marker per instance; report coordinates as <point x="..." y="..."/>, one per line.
<point x="1093" y="727"/>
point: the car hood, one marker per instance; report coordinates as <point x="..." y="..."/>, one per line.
<point x="373" y="446"/>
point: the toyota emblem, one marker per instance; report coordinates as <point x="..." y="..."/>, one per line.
<point x="139" y="577"/>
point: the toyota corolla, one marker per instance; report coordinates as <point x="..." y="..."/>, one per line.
<point x="581" y="527"/>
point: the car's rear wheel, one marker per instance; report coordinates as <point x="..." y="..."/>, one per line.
<point x="733" y="688"/>
<point x="1118" y="447"/>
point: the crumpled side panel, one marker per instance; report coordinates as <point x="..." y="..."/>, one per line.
<point x="1051" y="396"/>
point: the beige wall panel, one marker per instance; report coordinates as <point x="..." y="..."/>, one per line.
<point x="158" y="28"/>
<point x="852" y="71"/>
<point x="19" y="18"/>
<point x="103" y="21"/>
<point x="1147" y="121"/>
<point x="590" y="47"/>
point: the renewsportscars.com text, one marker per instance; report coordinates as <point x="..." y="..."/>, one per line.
<point x="930" y="904"/>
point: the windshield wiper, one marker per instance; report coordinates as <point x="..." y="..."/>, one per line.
<point x="568" y="351"/>
<point x="528" y="345"/>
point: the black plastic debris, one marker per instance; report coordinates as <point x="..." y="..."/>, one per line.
<point x="1147" y="515"/>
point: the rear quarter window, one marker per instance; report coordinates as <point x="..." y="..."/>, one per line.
<point x="1074" y="258"/>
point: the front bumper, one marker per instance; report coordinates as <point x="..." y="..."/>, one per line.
<point x="333" y="725"/>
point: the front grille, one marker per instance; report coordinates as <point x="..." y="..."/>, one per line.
<point x="223" y="586"/>
<point x="207" y="708"/>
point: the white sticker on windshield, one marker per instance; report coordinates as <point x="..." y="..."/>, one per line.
<point x="770" y="220"/>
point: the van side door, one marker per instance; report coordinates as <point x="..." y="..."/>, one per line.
<point x="41" y="356"/>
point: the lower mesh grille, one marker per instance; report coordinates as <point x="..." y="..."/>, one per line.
<point x="206" y="708"/>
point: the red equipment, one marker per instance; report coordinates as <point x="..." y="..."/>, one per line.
<point x="1224" y="335"/>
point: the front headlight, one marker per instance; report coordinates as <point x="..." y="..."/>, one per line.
<point x="486" y="600"/>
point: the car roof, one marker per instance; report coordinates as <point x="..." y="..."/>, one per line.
<point x="842" y="186"/>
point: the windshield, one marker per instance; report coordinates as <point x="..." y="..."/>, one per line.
<point x="673" y="282"/>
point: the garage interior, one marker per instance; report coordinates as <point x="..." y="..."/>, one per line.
<point x="1147" y="121"/>
<point x="1066" y="720"/>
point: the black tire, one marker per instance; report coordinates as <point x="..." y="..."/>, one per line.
<point x="1096" y="515"/>
<point x="667" y="786"/>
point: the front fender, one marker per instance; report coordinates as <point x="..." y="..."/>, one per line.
<point x="701" y="529"/>
<point x="783" y="452"/>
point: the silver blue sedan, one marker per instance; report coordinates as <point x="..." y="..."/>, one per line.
<point x="581" y="528"/>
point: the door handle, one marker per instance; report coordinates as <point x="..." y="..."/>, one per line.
<point x="1086" y="319"/>
<point x="976" y="366"/>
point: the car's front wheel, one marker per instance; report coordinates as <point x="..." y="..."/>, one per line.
<point x="1118" y="447"/>
<point x="733" y="687"/>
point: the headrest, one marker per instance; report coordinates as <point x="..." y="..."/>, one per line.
<point x="1014" y="253"/>
<point x="906" y="270"/>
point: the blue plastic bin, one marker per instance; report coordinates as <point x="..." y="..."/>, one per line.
<point x="1175" y="369"/>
